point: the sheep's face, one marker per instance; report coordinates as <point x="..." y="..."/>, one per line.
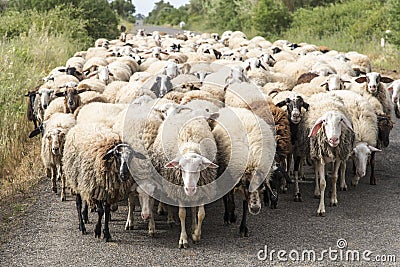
<point x="56" y="139"/>
<point x="294" y="106"/>
<point x="122" y="154"/>
<point x="333" y="82"/>
<point x="331" y="122"/>
<point x="162" y="85"/>
<point x="171" y="70"/>
<point x="45" y="97"/>
<point x="191" y="165"/>
<point x="104" y="74"/>
<point x="145" y="192"/>
<point x="253" y="184"/>
<point x="70" y="96"/>
<point x="395" y="88"/>
<point x="361" y="154"/>
<point x="373" y="80"/>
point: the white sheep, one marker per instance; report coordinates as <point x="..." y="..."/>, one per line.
<point x="246" y="148"/>
<point x="55" y="130"/>
<point x="395" y="89"/>
<point x="365" y="126"/>
<point x="188" y="141"/>
<point x="329" y="127"/>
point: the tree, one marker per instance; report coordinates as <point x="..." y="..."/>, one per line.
<point x="124" y="8"/>
<point x="271" y="17"/>
<point x="101" y="19"/>
<point x="393" y="15"/>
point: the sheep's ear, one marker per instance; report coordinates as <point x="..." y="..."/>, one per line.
<point x="109" y="154"/>
<point x="165" y="53"/>
<point x="80" y="91"/>
<point x="361" y="79"/>
<point x="173" y="163"/>
<point x="59" y="94"/>
<point x="214" y="116"/>
<point x="208" y="163"/>
<point x="62" y="70"/>
<point x="35" y="132"/>
<point x="386" y="80"/>
<point x="323" y="84"/>
<point x="262" y="66"/>
<point x="345" y="81"/>
<point x="374" y="149"/>
<point x="306" y="106"/>
<point x="316" y="127"/>
<point x="247" y="68"/>
<point x="282" y="103"/>
<point x="346" y="122"/>
<point x="138" y="155"/>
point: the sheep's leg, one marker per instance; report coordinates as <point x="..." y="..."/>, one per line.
<point x="243" y="230"/>
<point x="161" y="208"/>
<point x="63" y="197"/>
<point x="85" y="212"/>
<point x="356" y="178"/>
<point x="297" y="194"/>
<point x="194" y="219"/>
<point x="343" y="185"/>
<point x="183" y="243"/>
<point x="289" y="163"/>
<point x="107" y="217"/>
<point x="229" y="205"/>
<point x="320" y="170"/>
<point x="196" y="236"/>
<point x="152" y="225"/>
<point x="79" y="209"/>
<point x="396" y="110"/>
<point x="52" y="173"/>
<point x="317" y="191"/>
<point x="372" y="179"/>
<point x="100" y="213"/>
<point x="131" y="209"/>
<point x="334" y="178"/>
<point x="170" y="216"/>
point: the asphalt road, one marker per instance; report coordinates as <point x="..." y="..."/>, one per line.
<point x="367" y="218"/>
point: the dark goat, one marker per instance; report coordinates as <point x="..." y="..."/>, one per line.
<point x="214" y="52"/>
<point x="294" y="106"/>
<point x="30" y="112"/>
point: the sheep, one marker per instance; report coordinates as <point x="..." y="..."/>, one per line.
<point x="189" y="142"/>
<point x="365" y="126"/>
<point x="359" y="61"/>
<point x="91" y="85"/>
<point x="243" y="139"/>
<point x="93" y="63"/>
<point x="334" y="82"/>
<point x="241" y="95"/>
<point x="159" y="85"/>
<point x="30" y="111"/>
<point x="395" y="89"/>
<point x="374" y="86"/>
<point x="95" y="165"/>
<point x="199" y="94"/>
<point x="131" y="91"/>
<point x="112" y="89"/>
<point x="295" y="105"/>
<point x="55" y="106"/>
<point x="328" y="126"/>
<point x="55" y="129"/>
<point x="99" y="113"/>
<point x="42" y="102"/>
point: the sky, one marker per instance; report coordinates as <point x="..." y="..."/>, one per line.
<point x="145" y="6"/>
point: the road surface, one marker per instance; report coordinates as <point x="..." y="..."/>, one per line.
<point x="366" y="223"/>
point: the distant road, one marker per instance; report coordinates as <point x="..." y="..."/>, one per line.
<point x="151" y="28"/>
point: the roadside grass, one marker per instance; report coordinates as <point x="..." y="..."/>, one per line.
<point x="24" y="60"/>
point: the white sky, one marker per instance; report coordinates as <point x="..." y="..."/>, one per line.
<point x="145" y="6"/>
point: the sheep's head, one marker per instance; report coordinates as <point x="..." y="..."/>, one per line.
<point x="161" y="85"/>
<point x="56" y="139"/>
<point x="122" y="154"/>
<point x="334" y="82"/>
<point x="294" y="106"/>
<point x="70" y="95"/>
<point x="191" y="164"/>
<point x="395" y="89"/>
<point x="253" y="184"/>
<point x="373" y="79"/>
<point x="361" y="153"/>
<point x="45" y="97"/>
<point x="331" y="122"/>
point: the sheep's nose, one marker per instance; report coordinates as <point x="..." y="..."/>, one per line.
<point x="45" y="106"/>
<point x="255" y="209"/>
<point x="361" y="173"/>
<point x="145" y="216"/>
<point x="55" y="150"/>
<point x="334" y="141"/>
<point x="190" y="191"/>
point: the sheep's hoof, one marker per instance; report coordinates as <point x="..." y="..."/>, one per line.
<point x="196" y="238"/>
<point x="161" y="212"/>
<point x="82" y="229"/>
<point x="273" y="206"/>
<point x="298" y="198"/>
<point x="284" y="190"/>
<point x="244" y="232"/>
<point x="183" y="244"/>
<point x="97" y="231"/>
<point x="372" y="182"/>
<point x="128" y="227"/>
<point x="54" y="189"/>
<point x="317" y="196"/>
<point x="344" y="188"/>
<point x="321" y="213"/>
<point x="63" y="198"/>
<point x="333" y="204"/>
<point x="106" y="235"/>
<point x="152" y="234"/>
<point x="171" y="224"/>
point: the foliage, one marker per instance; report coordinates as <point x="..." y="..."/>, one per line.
<point x="165" y="13"/>
<point x="101" y="21"/>
<point x="125" y="9"/>
<point x="393" y="15"/>
<point x="271" y="17"/>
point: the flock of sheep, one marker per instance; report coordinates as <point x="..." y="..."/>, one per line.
<point x="192" y="118"/>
